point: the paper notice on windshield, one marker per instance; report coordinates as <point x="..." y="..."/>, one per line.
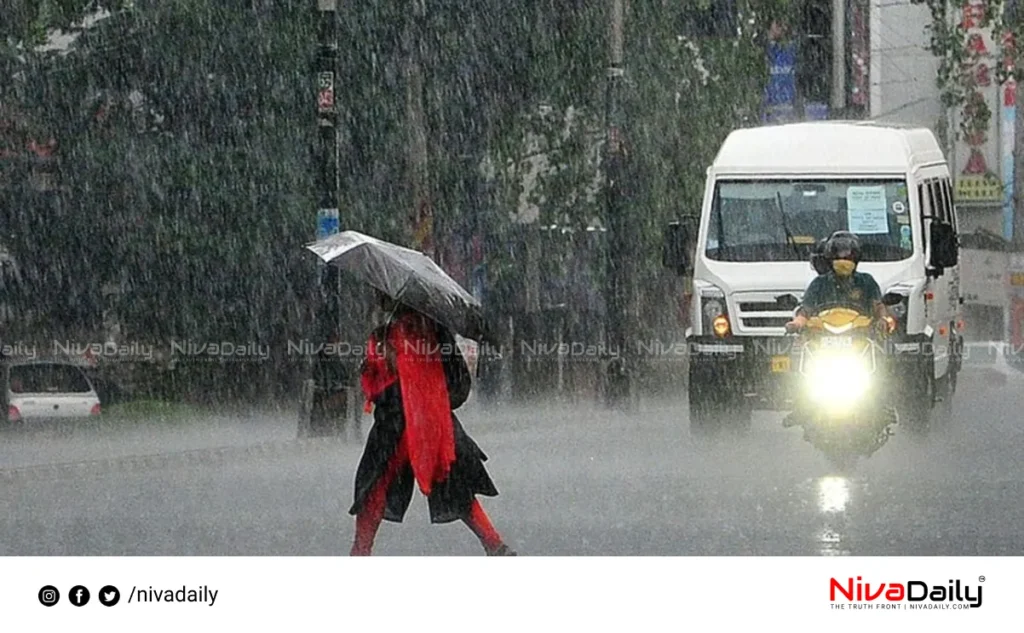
<point x="866" y="211"/>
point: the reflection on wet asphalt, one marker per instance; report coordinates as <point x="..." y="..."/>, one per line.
<point x="573" y="481"/>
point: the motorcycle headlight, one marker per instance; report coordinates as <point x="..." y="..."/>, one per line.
<point x="839" y="380"/>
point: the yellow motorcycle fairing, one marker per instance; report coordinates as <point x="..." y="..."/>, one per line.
<point x="837" y="363"/>
<point x="839" y="321"/>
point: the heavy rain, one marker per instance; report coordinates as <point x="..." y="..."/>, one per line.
<point x="629" y="201"/>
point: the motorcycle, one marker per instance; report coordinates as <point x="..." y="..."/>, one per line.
<point x="844" y="386"/>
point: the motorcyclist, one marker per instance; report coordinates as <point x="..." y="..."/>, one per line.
<point x="839" y="284"/>
<point x="842" y="284"/>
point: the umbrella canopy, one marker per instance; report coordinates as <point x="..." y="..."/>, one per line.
<point x="407" y="276"/>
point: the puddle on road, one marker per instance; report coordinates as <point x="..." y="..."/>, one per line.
<point x="833" y="495"/>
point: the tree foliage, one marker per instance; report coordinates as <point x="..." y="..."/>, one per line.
<point x="186" y="131"/>
<point x="961" y="64"/>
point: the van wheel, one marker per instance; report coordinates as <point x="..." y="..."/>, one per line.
<point x="713" y="408"/>
<point x="942" y="414"/>
<point x="916" y="403"/>
<point x="705" y="411"/>
<point x="739" y="416"/>
<point x="956" y="362"/>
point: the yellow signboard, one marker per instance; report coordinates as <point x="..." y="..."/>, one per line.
<point x="979" y="189"/>
<point x="1017" y="279"/>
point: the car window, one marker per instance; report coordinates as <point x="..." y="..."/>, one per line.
<point x="48" y="378"/>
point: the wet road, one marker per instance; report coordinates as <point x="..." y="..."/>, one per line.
<point x="573" y="482"/>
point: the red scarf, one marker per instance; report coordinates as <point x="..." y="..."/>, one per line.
<point x="429" y="433"/>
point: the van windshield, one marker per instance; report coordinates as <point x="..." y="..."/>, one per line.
<point x="781" y="220"/>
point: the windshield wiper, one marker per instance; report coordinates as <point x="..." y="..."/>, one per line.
<point x="785" y="225"/>
<point x="721" y="225"/>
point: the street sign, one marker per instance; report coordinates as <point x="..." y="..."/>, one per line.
<point x="325" y="96"/>
<point x="327" y="223"/>
<point x="978" y="188"/>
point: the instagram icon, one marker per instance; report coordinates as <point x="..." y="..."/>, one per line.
<point x="49" y="596"/>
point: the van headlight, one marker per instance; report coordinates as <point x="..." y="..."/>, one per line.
<point x="837" y="380"/>
<point x="714" y="312"/>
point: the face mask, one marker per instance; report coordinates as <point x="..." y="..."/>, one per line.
<point x="844" y="267"/>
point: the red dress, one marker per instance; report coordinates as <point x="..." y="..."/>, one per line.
<point x="414" y="420"/>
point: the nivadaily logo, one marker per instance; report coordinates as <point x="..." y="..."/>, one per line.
<point x="914" y="594"/>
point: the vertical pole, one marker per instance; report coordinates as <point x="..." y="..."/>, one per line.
<point x="421" y="214"/>
<point x="328" y="219"/>
<point x="838" y="58"/>
<point x="875" y="61"/>
<point x="617" y="257"/>
<point x="1007" y="136"/>
<point x="328" y="216"/>
<point x="1017" y="235"/>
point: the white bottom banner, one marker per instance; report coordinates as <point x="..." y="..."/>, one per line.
<point x="525" y="594"/>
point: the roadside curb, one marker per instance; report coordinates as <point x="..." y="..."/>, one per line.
<point x="136" y="463"/>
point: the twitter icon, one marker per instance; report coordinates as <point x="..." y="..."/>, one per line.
<point x="109" y="596"/>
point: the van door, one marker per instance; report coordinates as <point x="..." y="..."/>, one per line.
<point x="937" y="289"/>
<point x="954" y="307"/>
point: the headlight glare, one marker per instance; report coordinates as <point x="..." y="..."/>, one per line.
<point x="838" y="379"/>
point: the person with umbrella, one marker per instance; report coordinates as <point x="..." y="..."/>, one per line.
<point x="413" y="378"/>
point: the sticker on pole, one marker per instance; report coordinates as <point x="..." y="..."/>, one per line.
<point x="866" y="210"/>
<point x="325" y="96"/>
<point x="326" y="223"/>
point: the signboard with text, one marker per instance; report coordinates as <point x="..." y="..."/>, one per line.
<point x="978" y="161"/>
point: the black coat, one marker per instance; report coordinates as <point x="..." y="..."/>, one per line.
<point x="449" y="500"/>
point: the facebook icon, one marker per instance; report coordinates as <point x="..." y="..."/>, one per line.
<point x="79" y="596"/>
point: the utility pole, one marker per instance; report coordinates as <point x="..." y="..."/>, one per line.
<point x="617" y="254"/>
<point x="328" y="220"/>
<point x="838" y="58"/>
<point x="1017" y="188"/>
<point x="331" y="316"/>
<point x="421" y="215"/>
<point x="328" y="179"/>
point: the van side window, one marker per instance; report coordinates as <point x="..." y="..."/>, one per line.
<point x="947" y="195"/>
<point x="940" y="199"/>
<point x="939" y="202"/>
<point x="924" y="192"/>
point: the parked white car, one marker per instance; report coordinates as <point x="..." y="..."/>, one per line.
<point x="48" y="389"/>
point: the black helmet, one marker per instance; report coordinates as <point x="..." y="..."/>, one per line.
<point x="818" y="260"/>
<point x="842" y="242"/>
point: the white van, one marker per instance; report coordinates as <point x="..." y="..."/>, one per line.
<point x="771" y="194"/>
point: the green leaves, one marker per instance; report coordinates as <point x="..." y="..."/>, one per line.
<point x="958" y="76"/>
<point x="186" y="129"/>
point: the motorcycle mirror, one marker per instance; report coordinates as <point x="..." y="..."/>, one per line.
<point x="892" y="298"/>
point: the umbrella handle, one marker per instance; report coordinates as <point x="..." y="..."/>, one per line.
<point x="398" y="300"/>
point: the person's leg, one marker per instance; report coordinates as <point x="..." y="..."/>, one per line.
<point x="372" y="515"/>
<point x="480" y="524"/>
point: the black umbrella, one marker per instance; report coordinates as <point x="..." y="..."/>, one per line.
<point x="407" y="276"/>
